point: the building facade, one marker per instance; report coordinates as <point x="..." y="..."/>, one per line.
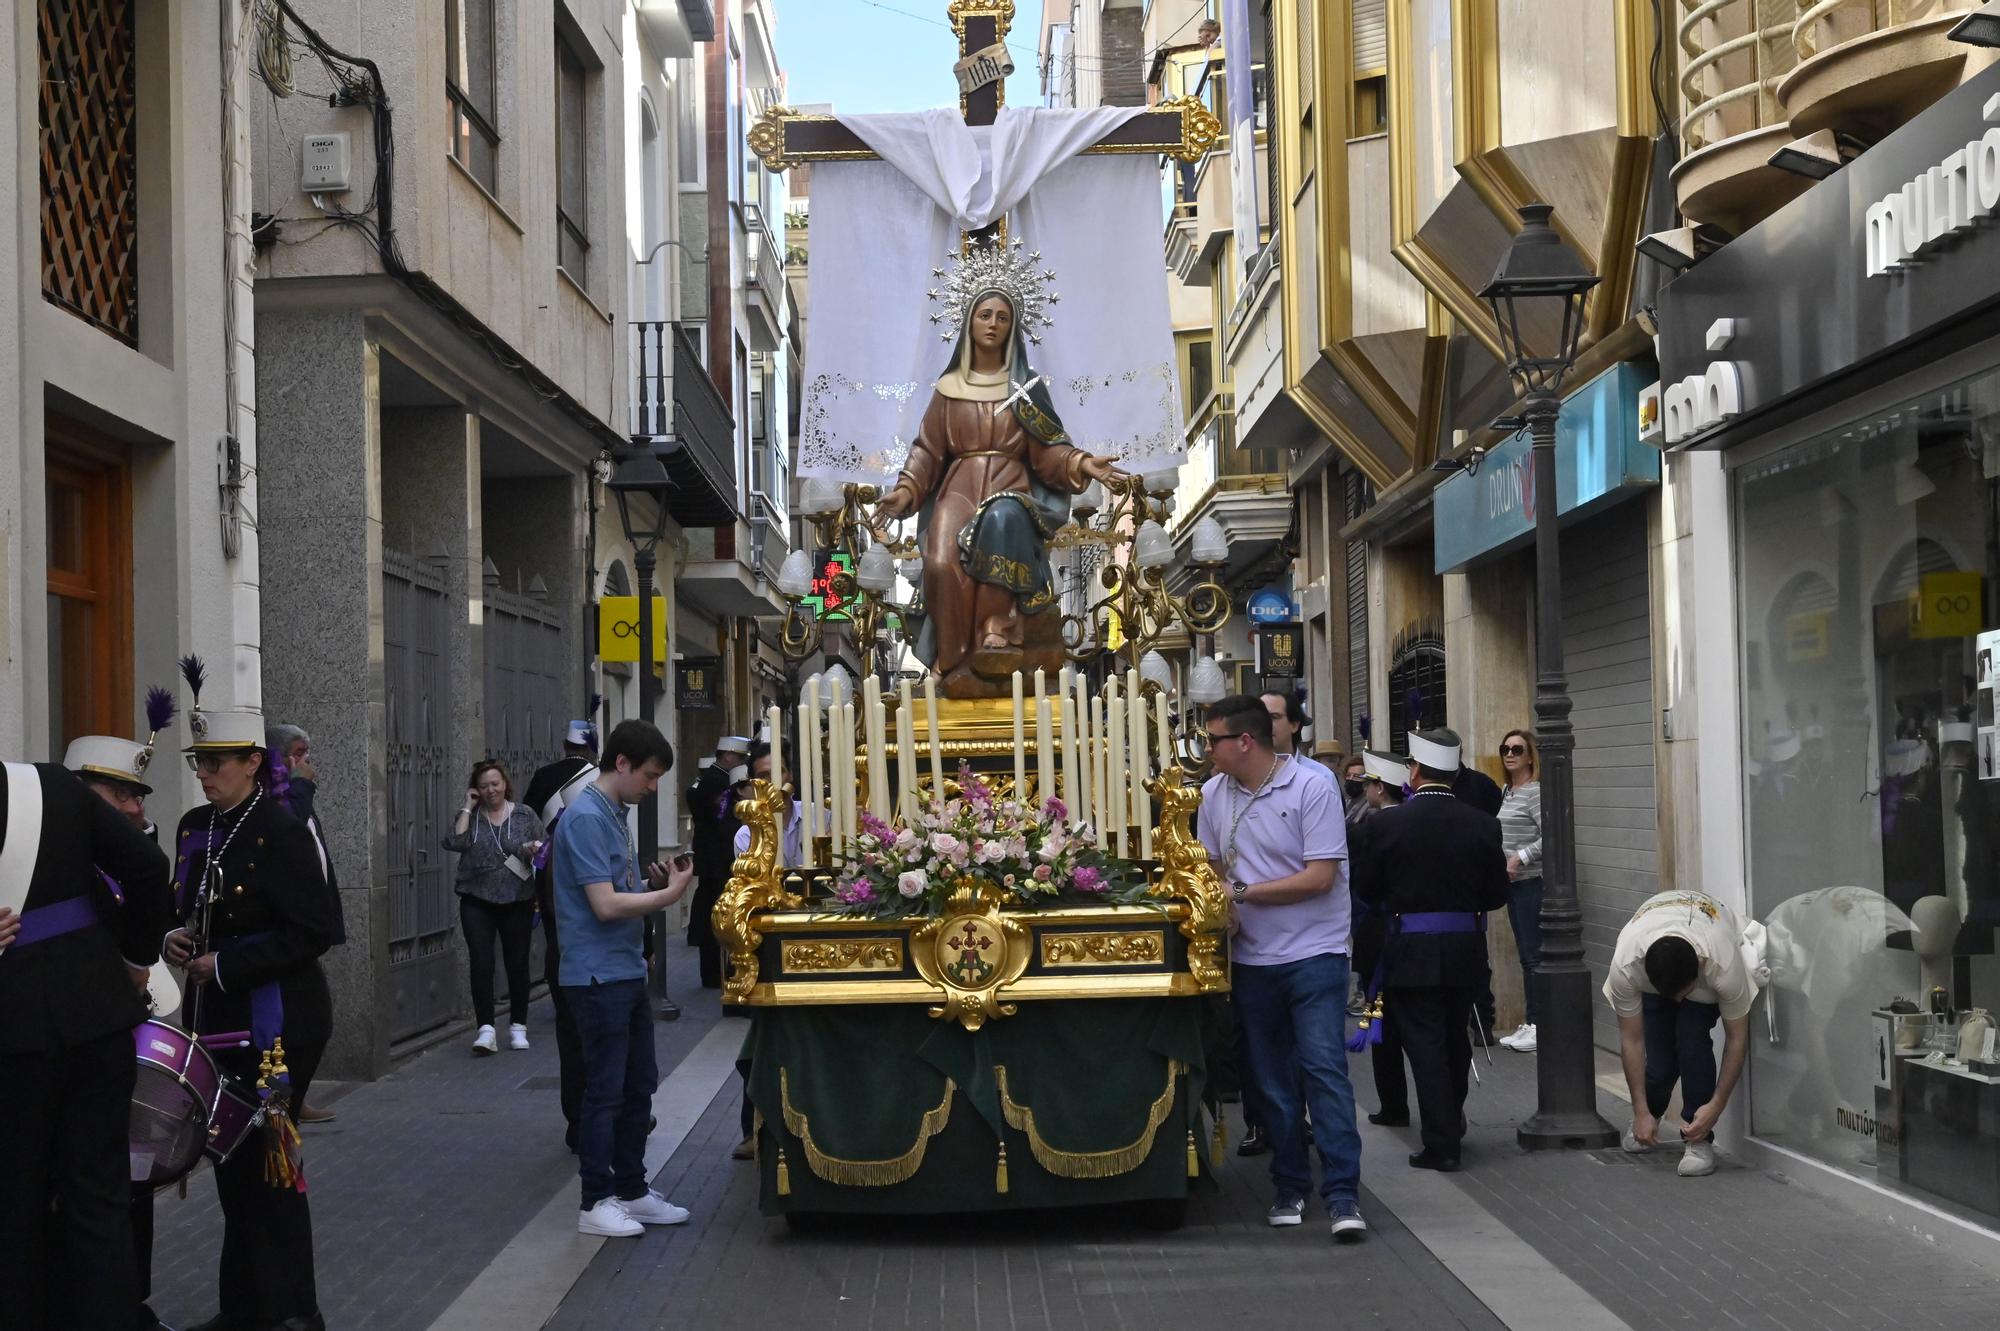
<point x="129" y="478"/>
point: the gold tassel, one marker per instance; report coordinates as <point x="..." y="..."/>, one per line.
<point x="1219" y="1144"/>
<point x="1000" y="1171"/>
<point x="784" y="1175"/>
<point x="1194" y="1156"/>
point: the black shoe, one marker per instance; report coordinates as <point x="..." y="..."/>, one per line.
<point x="1443" y="1164"/>
<point x="1254" y="1143"/>
<point x="669" y="1010"/>
<point x="1385" y="1119"/>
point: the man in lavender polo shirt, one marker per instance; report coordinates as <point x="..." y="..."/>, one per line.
<point x="1276" y="834"/>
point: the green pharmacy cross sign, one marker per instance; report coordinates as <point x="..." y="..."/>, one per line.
<point x="827" y="605"/>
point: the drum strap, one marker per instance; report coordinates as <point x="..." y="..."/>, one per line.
<point x="23" y="844"/>
<point x="570" y="788"/>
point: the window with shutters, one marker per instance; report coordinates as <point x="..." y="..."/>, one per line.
<point x="1368" y="68"/>
<point x="1360" y="497"/>
<point x="572" y="161"/>
<point x="89" y="120"/>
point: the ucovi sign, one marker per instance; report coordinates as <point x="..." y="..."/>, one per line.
<point x="1946" y="200"/>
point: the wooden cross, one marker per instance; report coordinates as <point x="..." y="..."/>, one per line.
<point x="1182" y="127"/>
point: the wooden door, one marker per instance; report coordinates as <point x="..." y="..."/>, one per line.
<point x="89" y="542"/>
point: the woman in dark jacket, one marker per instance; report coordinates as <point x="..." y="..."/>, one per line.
<point x="496" y="840"/>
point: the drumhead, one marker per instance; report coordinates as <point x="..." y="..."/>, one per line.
<point x="169" y="1125"/>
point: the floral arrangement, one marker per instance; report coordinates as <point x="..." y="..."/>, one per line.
<point x="1024" y="853"/>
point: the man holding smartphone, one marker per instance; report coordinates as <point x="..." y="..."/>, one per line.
<point x="601" y="909"/>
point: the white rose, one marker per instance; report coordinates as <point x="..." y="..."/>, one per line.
<point x="914" y="883"/>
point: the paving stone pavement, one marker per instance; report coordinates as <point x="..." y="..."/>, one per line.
<point x="1740" y="1248"/>
<point x="422" y="1178"/>
<point x="1033" y="1271"/>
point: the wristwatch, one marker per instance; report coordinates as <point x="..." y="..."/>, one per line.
<point x="1237" y="888"/>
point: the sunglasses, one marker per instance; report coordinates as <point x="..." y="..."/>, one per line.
<point x="1214" y="738"/>
<point x="1513" y="750"/>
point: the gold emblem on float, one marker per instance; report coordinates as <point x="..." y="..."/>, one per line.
<point x="971" y="953"/>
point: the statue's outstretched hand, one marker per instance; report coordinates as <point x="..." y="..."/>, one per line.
<point x="1102" y="469"/>
<point x="897" y="503"/>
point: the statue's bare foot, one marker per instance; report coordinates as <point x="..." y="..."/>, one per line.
<point x="993" y="642"/>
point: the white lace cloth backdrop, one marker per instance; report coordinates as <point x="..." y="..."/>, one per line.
<point x="879" y="228"/>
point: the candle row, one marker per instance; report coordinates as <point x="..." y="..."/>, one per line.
<point x="1100" y="758"/>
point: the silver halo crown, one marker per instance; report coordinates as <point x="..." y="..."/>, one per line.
<point x="1011" y="268"/>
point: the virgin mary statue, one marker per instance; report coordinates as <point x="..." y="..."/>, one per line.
<point x="990" y="477"/>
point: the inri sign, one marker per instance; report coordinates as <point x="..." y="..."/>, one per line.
<point x="1949" y="198"/>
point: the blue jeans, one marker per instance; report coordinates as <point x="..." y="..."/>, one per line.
<point x="1294" y="1019"/>
<point x="1679" y="1047"/>
<point x="1524" y="912"/>
<point x="615" y="1027"/>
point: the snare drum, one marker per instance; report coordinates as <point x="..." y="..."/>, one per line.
<point x="183" y="1106"/>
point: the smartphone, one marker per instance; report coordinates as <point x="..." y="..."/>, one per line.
<point x="683" y="861"/>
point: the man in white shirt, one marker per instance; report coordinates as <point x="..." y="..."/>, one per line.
<point x="1678" y="969"/>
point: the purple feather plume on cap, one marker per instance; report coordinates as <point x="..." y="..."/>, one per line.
<point x="160" y="709"/>
<point x="195" y="674"/>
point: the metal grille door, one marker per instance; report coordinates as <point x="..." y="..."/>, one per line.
<point x="416" y="616"/>
<point x="527" y="707"/>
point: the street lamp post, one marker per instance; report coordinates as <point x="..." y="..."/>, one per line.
<point x="638" y="471"/>
<point x="1540" y="281"/>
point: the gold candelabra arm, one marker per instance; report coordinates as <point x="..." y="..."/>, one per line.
<point x="754" y="884"/>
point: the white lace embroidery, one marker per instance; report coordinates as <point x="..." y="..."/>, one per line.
<point x="841" y="427"/>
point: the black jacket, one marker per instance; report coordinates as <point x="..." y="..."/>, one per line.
<point x="547" y="780"/>
<point x="76" y="987"/>
<point x="1431" y="853"/>
<point x="1474" y="787"/>
<point x="714" y="826"/>
<point x="270" y="922"/>
<point x="300" y="802"/>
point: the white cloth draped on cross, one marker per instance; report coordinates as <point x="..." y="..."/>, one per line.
<point x="879" y="228"/>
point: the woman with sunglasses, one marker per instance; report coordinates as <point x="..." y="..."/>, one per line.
<point x="255" y="916"/>
<point x="496" y="841"/>
<point x="1521" y="838"/>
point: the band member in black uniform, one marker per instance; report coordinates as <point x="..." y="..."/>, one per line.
<point x="113" y="768"/>
<point x="712" y="815"/>
<point x="256" y="915"/>
<point x="68" y="1003"/>
<point x="1381" y="788"/>
<point x="1432" y="868"/>
<point x="553" y="786"/>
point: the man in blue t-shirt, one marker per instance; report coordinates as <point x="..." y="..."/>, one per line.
<point x="600" y="916"/>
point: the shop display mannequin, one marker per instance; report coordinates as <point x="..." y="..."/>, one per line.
<point x="1936" y="921"/>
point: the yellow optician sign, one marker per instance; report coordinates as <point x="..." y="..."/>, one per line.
<point x="1947" y="605"/>
<point x="618" y="628"/>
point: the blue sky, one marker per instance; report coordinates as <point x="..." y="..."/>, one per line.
<point x="888" y="55"/>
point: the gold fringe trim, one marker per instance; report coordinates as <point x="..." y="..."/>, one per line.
<point x="864" y="1173"/>
<point x="1000" y="1171"/>
<point x="1088" y="1164"/>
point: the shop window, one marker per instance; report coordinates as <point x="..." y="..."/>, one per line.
<point x="1866" y="594"/>
<point x="89" y="540"/>
<point x="1416" y="684"/>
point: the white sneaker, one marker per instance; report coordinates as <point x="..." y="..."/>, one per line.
<point x="484" y="1043"/>
<point x="608" y="1219"/>
<point x="653" y="1209"/>
<point x="517" y="1036"/>
<point x="1697" y="1160"/>
<point x="1519" y="1031"/>
<point x="1521" y="1041"/>
<point x="1632" y="1145"/>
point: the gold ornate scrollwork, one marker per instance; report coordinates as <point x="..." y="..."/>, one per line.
<point x="767" y="138"/>
<point x="1200" y="129"/>
<point x="846" y="954"/>
<point x="958" y="11"/>
<point x="1187" y="876"/>
<point x="754" y="884"/>
<point x="971" y="952"/>
<point x="1144" y="948"/>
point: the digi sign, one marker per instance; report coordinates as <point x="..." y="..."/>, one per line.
<point x="826" y="604"/>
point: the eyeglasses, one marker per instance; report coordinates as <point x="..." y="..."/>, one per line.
<point x="210" y="763"/>
<point x="1513" y="750"/>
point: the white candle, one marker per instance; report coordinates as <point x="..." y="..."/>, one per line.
<point x="1100" y="809"/>
<point x="1020" y="744"/>
<point x="876" y="722"/>
<point x="1045" y="738"/>
<point x="1115" y="734"/>
<point x="1067" y="701"/>
<point x="906" y="754"/>
<point x="1166" y="732"/>
<point x="850" y="778"/>
<point x="777" y="778"/>
<point x="1085" y="796"/>
<point x="1142" y="804"/>
<point x="809" y="754"/>
<point x="937" y="744"/>
<point x="836" y="826"/>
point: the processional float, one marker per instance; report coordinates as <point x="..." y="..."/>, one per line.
<point x="1003" y="931"/>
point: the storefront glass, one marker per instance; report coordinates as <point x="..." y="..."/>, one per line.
<point x="1867" y="561"/>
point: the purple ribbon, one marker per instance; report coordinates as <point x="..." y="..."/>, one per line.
<point x="64" y="917"/>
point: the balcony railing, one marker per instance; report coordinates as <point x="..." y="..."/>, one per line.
<point x="1734" y="52"/>
<point x="1825" y="24"/>
<point x="766" y="258"/>
<point x="674" y="400"/>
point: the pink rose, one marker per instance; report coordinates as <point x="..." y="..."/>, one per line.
<point x="1043" y="873"/>
<point x="945" y="844"/>
<point x="913" y="884"/>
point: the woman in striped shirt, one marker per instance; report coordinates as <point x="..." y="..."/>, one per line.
<point x="1521" y="838"/>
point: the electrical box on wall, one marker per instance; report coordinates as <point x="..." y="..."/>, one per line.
<point x="325" y="165"/>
